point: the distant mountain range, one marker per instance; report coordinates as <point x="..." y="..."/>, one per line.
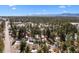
<point x="69" y="14"/>
<point x="63" y="14"/>
<point x="53" y="15"/>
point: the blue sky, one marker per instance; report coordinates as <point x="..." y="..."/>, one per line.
<point x="23" y="10"/>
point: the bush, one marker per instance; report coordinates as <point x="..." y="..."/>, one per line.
<point x="1" y="45"/>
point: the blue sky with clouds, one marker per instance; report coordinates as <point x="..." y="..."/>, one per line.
<point x="22" y="10"/>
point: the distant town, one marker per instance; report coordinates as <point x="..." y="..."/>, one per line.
<point x="39" y="34"/>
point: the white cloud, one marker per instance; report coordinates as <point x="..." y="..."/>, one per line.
<point x="11" y="5"/>
<point x="43" y="10"/>
<point x="13" y="8"/>
<point x="29" y="14"/>
<point x="62" y="6"/>
<point x="64" y="11"/>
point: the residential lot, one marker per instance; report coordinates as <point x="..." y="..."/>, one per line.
<point x="32" y="34"/>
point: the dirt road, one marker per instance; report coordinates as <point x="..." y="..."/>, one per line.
<point x="7" y="44"/>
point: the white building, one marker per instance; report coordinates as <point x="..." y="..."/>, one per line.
<point x="34" y="51"/>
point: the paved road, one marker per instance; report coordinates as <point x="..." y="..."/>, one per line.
<point x="7" y="44"/>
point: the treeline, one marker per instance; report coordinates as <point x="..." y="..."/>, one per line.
<point x="2" y="26"/>
<point x="43" y="19"/>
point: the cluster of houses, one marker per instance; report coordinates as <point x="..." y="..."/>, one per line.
<point x="54" y="45"/>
